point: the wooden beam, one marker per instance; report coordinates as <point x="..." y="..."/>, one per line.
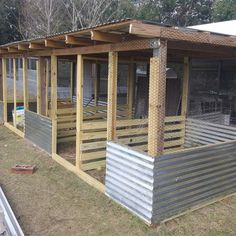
<point x="54" y="44"/>
<point x="130" y="88"/>
<point x="79" y="109"/>
<point x="71" y="80"/>
<point x="112" y="95"/>
<point x="25" y="83"/>
<point x="23" y="47"/>
<point x="185" y="87"/>
<point x="3" y="50"/>
<point x="47" y="84"/>
<point x="157" y="95"/>
<point x="106" y="37"/>
<point x="14" y="89"/>
<point x="1" y="82"/>
<point x="4" y="84"/>
<point x="42" y="73"/>
<point x="76" y="41"/>
<point x="38" y="87"/>
<point x="54" y="102"/>
<point x="36" y="46"/>
<point x="95" y="82"/>
<point x="12" y="49"/>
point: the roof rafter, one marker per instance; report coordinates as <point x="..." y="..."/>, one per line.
<point x="76" y="41"/>
<point x="37" y="46"/>
<point x="106" y="37"/>
<point x="54" y="44"/>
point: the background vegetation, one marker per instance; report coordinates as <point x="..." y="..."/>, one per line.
<point x="20" y="19"/>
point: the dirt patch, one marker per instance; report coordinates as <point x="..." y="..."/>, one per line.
<point x="67" y="151"/>
<point x="53" y="201"/>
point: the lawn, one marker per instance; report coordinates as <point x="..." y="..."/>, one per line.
<point x="54" y="201"/>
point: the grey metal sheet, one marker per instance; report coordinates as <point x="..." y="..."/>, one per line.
<point x="129" y="179"/>
<point x="159" y="188"/>
<point x="189" y="178"/>
<point x="38" y="129"/>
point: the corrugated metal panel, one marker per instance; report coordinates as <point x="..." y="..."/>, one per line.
<point x="129" y="179"/>
<point x="1" y="112"/>
<point x="189" y="178"/>
<point x="38" y="129"/>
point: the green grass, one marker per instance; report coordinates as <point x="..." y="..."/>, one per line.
<point x="54" y="201"/>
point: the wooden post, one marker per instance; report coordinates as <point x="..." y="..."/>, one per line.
<point x="42" y="73"/>
<point x="71" y="81"/>
<point x="4" y="85"/>
<point x="54" y="102"/>
<point x="157" y="95"/>
<point x="1" y="82"/>
<point x="79" y="108"/>
<point x="130" y="89"/>
<point x="185" y="87"/>
<point x="14" y="89"/>
<point x="25" y="82"/>
<point x="95" y="82"/>
<point x="112" y="95"/>
<point x="38" y="87"/>
<point x="46" y="89"/>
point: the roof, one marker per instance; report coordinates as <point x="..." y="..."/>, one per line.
<point x="224" y="27"/>
<point x="118" y="36"/>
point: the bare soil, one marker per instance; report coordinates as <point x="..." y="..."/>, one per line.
<point x="54" y="201"/>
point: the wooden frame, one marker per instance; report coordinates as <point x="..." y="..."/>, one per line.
<point x="14" y="88"/>
<point x="25" y="83"/>
<point x="79" y="107"/>
<point x="54" y="102"/>
<point x="4" y="85"/>
<point x="157" y="92"/>
<point x="112" y="95"/>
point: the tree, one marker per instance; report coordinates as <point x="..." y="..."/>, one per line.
<point x="41" y="17"/>
<point x="9" y="15"/>
<point x="224" y="10"/>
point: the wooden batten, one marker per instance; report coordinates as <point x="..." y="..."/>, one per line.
<point x="12" y="49"/>
<point x="14" y="89"/>
<point x="185" y="87"/>
<point x="1" y="81"/>
<point x="106" y="37"/>
<point x="54" y="44"/>
<point x="23" y="47"/>
<point x="112" y="95"/>
<point x="36" y="46"/>
<point x="79" y="108"/>
<point x="54" y="102"/>
<point x="157" y="95"/>
<point x="4" y="85"/>
<point x="76" y="41"/>
<point x="130" y="86"/>
<point x="25" y="83"/>
<point x="38" y="86"/>
<point x="47" y="84"/>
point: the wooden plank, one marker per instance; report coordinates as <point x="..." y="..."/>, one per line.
<point x="95" y="82"/>
<point x="14" y="129"/>
<point x="157" y="94"/>
<point x="106" y="37"/>
<point x="47" y="85"/>
<point x="79" y="108"/>
<point x="36" y="46"/>
<point x="87" y="178"/>
<point x="14" y="88"/>
<point x="54" y="102"/>
<point x="54" y="44"/>
<point x="42" y="73"/>
<point x="71" y="81"/>
<point x="185" y="87"/>
<point x="38" y="87"/>
<point x="1" y="81"/>
<point x="69" y="39"/>
<point x="130" y="89"/>
<point x="112" y="95"/>
<point x="25" y="82"/>
<point x="94" y="165"/>
<point x="4" y="85"/>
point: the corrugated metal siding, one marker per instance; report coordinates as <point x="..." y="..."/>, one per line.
<point x="129" y="179"/>
<point x="159" y="188"/>
<point x="38" y="129"/>
<point x="1" y="112"/>
<point x="189" y="178"/>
